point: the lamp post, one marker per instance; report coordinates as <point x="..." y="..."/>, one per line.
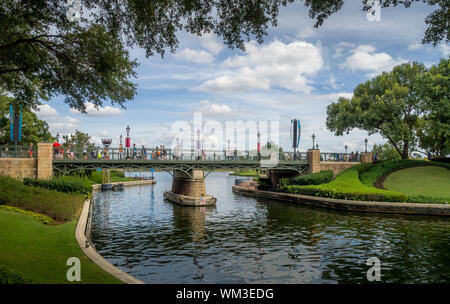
<point x="317" y="146"/>
<point x="45" y="131"/>
<point x="313" y="138"/>
<point x="346" y="149"/>
<point x="57" y="137"/>
<point x="127" y="141"/>
<point x="198" y="145"/>
<point x="258" y="147"/>
<point x="365" y="142"/>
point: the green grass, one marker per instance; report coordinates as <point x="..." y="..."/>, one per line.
<point x="245" y="173"/>
<point x="347" y="186"/>
<point x="39" y="252"/>
<point x="61" y="207"/>
<point x="426" y="181"/>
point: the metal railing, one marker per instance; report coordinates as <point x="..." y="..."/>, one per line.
<point x="12" y="151"/>
<point x="183" y="155"/>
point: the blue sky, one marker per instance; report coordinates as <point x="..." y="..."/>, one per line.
<point x="295" y="73"/>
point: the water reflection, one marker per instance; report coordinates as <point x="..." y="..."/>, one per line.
<point x="246" y="240"/>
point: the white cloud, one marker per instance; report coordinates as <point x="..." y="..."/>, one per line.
<point x="306" y="33"/>
<point x="445" y="49"/>
<point x="91" y="110"/>
<point x="56" y="122"/>
<point x="208" y="108"/>
<point x="414" y="46"/>
<point x="364" y="58"/>
<point x="275" y="64"/>
<point x="209" y="42"/>
<point x="197" y="56"/>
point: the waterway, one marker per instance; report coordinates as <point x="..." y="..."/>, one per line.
<point x="249" y="240"/>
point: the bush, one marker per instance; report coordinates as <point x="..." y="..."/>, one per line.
<point x="57" y="205"/>
<point x="427" y="199"/>
<point x="264" y="184"/>
<point x="43" y="218"/>
<point x="318" y="178"/>
<point x="348" y="186"/>
<point x="68" y="184"/>
<point x="383" y="168"/>
<point x="9" y="276"/>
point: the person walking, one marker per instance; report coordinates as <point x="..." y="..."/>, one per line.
<point x="31" y="150"/>
<point x="85" y="156"/>
<point x="120" y="151"/>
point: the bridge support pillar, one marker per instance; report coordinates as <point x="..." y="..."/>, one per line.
<point x="188" y="189"/>
<point x="314" y="161"/>
<point x="366" y="157"/>
<point x="276" y="175"/>
<point x="44" y="160"/>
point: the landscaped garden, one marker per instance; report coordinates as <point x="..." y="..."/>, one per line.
<point x="37" y="230"/>
<point x="388" y="181"/>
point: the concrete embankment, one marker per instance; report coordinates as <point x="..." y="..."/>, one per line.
<point x="347" y="205"/>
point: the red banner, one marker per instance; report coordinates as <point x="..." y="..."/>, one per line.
<point x="127" y="142"/>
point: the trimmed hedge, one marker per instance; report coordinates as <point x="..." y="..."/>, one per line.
<point x="318" y="178"/>
<point x="348" y="186"/>
<point x="57" y="205"/>
<point x="68" y="184"/>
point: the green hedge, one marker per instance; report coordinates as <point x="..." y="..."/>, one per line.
<point x="68" y="184"/>
<point x="348" y="186"/>
<point x="264" y="184"/>
<point x="378" y="170"/>
<point x="59" y="206"/>
<point x="41" y="217"/>
<point x="318" y="178"/>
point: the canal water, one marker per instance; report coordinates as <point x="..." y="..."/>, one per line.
<point x="248" y="240"/>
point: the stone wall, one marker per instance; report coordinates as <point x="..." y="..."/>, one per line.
<point x="337" y="167"/>
<point x="184" y="184"/>
<point x="19" y="168"/>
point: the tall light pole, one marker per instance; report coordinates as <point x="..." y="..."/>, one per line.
<point x="127" y="141"/>
<point x="313" y="138"/>
<point x="258" y="147"/>
<point x="346" y="149"/>
<point x="198" y="144"/>
<point x="365" y="142"/>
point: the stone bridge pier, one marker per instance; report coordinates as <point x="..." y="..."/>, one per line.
<point x="188" y="189"/>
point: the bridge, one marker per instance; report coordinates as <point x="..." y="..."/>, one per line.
<point x="187" y="167"/>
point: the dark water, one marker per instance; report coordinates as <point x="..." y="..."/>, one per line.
<point x="246" y="240"/>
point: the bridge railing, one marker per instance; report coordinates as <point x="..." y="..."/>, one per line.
<point x="21" y="151"/>
<point x="169" y="154"/>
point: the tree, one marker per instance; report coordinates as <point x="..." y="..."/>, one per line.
<point x="385" y="152"/>
<point x="44" y="54"/>
<point x="78" y="139"/>
<point x="434" y="134"/>
<point x="33" y="129"/>
<point x="390" y="104"/>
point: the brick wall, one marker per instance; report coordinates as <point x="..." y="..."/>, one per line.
<point x="19" y="168"/>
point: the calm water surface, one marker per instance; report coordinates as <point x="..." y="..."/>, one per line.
<point x="247" y="240"/>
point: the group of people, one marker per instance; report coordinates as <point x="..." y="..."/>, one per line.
<point x="159" y="152"/>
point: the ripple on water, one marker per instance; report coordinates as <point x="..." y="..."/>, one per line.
<point x="246" y="240"/>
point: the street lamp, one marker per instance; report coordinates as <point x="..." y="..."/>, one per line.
<point x="317" y="146"/>
<point x="57" y="137"/>
<point x="258" y="147"/>
<point x="313" y="138"/>
<point x="346" y="149"/>
<point x="366" y="141"/>
<point x="127" y="141"/>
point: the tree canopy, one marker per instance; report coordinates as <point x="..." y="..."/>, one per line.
<point x="43" y="53"/>
<point x="408" y="106"/>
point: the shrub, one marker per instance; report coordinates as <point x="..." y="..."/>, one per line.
<point x="68" y="184"/>
<point x="318" y="178"/>
<point x="57" y="205"/>
<point x="9" y="276"/>
<point x="378" y="170"/>
<point x="43" y="218"/>
<point x="348" y="186"/>
<point x="264" y="184"/>
<point x="428" y="199"/>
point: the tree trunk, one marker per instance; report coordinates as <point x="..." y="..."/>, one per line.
<point x="404" y="153"/>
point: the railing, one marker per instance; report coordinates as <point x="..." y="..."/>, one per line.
<point x="11" y="151"/>
<point x="183" y="155"/>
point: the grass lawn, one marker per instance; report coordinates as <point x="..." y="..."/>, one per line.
<point x="430" y="181"/>
<point x="39" y="252"/>
<point x="246" y="173"/>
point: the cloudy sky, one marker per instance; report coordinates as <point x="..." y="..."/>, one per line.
<point x="295" y="73"/>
